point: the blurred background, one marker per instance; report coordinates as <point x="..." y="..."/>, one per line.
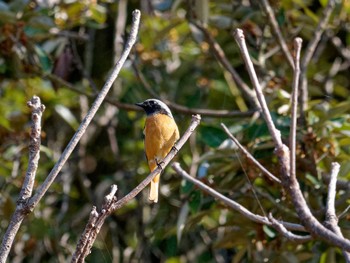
<point x="63" y="51"/>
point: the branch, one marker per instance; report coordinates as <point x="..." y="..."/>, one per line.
<point x="187" y="110"/>
<point x="289" y="183"/>
<point x="331" y="221"/>
<point x="287" y="234"/>
<point x="221" y="57"/>
<point x="23" y="209"/>
<point x="249" y="156"/>
<point x="240" y="39"/>
<point x="309" y="52"/>
<point x="276" y="30"/>
<point x="27" y="188"/>
<point x="294" y="107"/>
<point x="86" y="121"/>
<point x="232" y="204"/>
<point x="311" y="47"/>
<point x="111" y="204"/>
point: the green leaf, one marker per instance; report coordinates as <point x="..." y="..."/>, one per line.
<point x="212" y="136"/>
<point x="195" y="201"/>
<point x="269" y="232"/>
<point x="67" y="115"/>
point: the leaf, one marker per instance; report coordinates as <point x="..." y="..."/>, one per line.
<point x="212" y="136"/>
<point x="67" y="115"/>
<point x="181" y="220"/>
<point x="269" y="232"/>
<point x="195" y="201"/>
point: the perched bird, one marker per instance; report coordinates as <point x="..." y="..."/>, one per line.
<point x="161" y="133"/>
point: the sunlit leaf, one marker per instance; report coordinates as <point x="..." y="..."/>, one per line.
<point x="67" y="115"/>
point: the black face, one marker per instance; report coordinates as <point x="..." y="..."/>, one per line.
<point x="153" y="106"/>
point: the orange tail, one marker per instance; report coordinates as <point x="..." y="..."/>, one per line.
<point x="153" y="193"/>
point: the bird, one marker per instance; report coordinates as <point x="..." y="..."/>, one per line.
<point x="160" y="135"/>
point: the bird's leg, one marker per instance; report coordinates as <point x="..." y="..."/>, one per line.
<point x="174" y="148"/>
<point x="160" y="164"/>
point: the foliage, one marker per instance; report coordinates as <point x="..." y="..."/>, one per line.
<point x="174" y="57"/>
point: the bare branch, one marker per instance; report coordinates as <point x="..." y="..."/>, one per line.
<point x="294" y="107"/>
<point x="111" y="204"/>
<point x="24" y="208"/>
<point x="232" y="204"/>
<point x="27" y="188"/>
<point x="331" y="217"/>
<point x="276" y="30"/>
<point x="289" y="235"/>
<point x="221" y="57"/>
<point x="240" y="39"/>
<point x="290" y="184"/>
<point x="187" y="110"/>
<point x="331" y="221"/>
<point x="249" y="156"/>
<point x="95" y="106"/>
<point x="34" y="147"/>
<point x="311" y="47"/>
<point x="309" y="52"/>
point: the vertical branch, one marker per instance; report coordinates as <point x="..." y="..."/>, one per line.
<point x="331" y="221"/>
<point x="276" y="29"/>
<point x="310" y="50"/>
<point x="27" y="187"/>
<point x="34" y="147"/>
<point x="294" y="108"/>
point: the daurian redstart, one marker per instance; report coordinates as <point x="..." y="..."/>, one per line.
<point x="161" y="133"/>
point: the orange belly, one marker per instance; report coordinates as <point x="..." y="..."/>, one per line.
<point x="161" y="133"/>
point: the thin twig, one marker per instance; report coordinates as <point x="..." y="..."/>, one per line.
<point x="221" y="57"/>
<point x="294" y="107"/>
<point x="187" y="110"/>
<point x="287" y="234"/>
<point x="27" y="188"/>
<point x="309" y="52"/>
<point x="249" y="156"/>
<point x="111" y="204"/>
<point x="331" y="221"/>
<point x="232" y="204"/>
<point x="276" y="29"/>
<point x="240" y="39"/>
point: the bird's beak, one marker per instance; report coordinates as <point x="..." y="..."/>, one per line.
<point x="140" y="104"/>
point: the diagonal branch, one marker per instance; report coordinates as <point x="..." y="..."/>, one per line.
<point x="86" y="121"/>
<point x="187" y="110"/>
<point x="276" y="30"/>
<point x="221" y="57"/>
<point x="232" y="204"/>
<point x="249" y="156"/>
<point x="111" y="204"/>
<point x="309" y="52"/>
<point x="25" y="208"/>
<point x="240" y="39"/>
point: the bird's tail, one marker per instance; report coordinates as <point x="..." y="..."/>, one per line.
<point x="153" y="192"/>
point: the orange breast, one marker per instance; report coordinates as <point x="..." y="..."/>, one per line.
<point x="161" y="133"/>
